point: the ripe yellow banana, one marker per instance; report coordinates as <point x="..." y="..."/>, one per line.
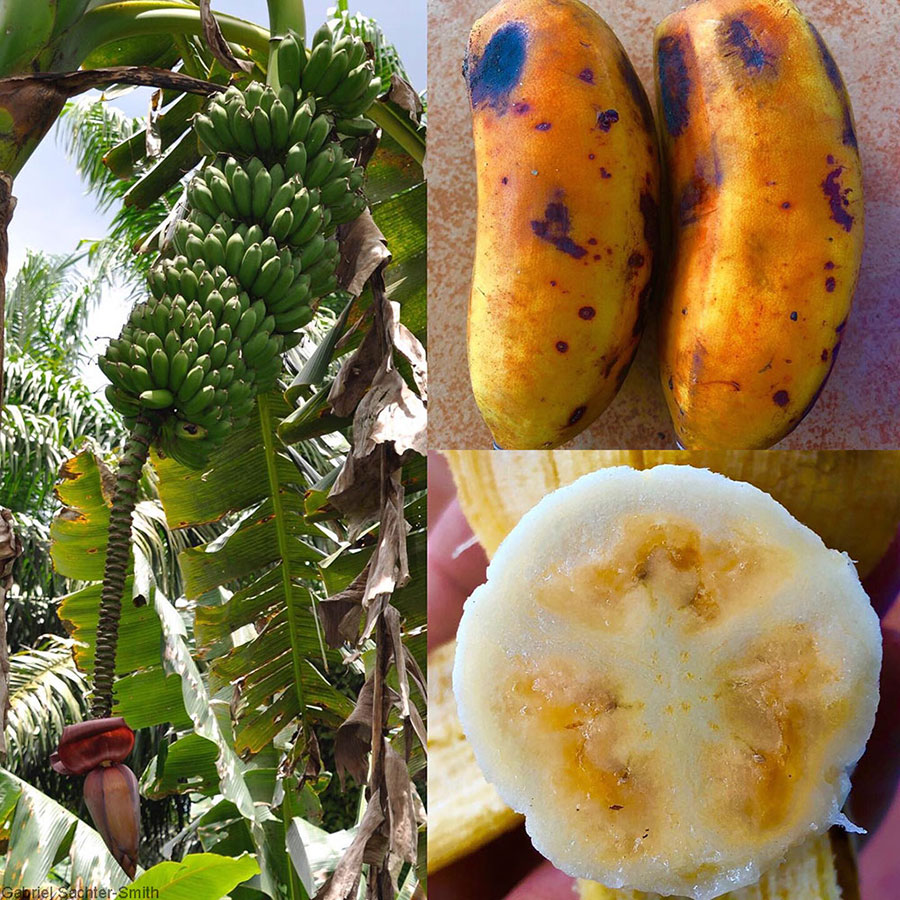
<point x="766" y="212"/>
<point x="670" y="676"/>
<point x="568" y="192"/>
<point x="851" y="499"/>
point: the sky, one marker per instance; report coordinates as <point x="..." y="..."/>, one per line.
<point x="53" y="213"/>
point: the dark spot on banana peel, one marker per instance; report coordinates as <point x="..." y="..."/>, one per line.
<point x="643" y="308"/>
<point x="781" y="398"/>
<point x="504" y="180"/>
<point x="671" y="387"/>
<point x="587" y="312"/>
<point x="786" y="205"/>
<point x="794" y="316"/>
<point x="521" y="108"/>
<point x="577" y="415"/>
<point x="562" y="346"/>
<point x="604" y="173"/>
<point x="829" y="284"/>
<point x="636" y="260"/>
<point x="587" y="76"/>
<point x="554" y="228"/>
<point x="692" y="196"/>
<point x="848" y="134"/>
<point x="493" y="75"/>
<point x="829" y="265"/>
<point x="824" y="354"/>
<point x="606" y="119"/>
<point x="610" y="365"/>
<point x="543" y="126"/>
<point x="754" y="56"/>
<point x="675" y="85"/>
<point x="650" y="212"/>
<point x="638" y="94"/>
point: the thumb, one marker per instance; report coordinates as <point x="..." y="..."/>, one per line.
<point x="544" y="883"/>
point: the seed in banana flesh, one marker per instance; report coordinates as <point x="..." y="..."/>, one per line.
<point x="670" y="677"/>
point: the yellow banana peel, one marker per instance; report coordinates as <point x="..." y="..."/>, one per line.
<point x="850" y="498"/>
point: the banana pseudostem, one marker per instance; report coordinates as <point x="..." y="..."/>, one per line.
<point x="117" y="558"/>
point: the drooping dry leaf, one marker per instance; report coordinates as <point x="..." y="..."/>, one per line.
<point x="389" y="567"/>
<point x="353" y="739"/>
<point x="356" y="375"/>
<point x="390" y="411"/>
<point x="341" y="613"/>
<point x="217" y="44"/>
<point x="344" y="881"/>
<point x="401" y="92"/>
<point x="153" y="139"/>
<point x="363" y="250"/>
<point x="7" y="206"/>
<point x="408" y="344"/>
<point x="404" y="830"/>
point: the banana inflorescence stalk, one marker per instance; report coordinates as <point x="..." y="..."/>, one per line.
<point x="117" y="558"/>
<point x="247" y="266"/>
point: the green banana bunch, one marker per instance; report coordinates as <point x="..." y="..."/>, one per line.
<point x="338" y="73"/>
<point x="254" y="252"/>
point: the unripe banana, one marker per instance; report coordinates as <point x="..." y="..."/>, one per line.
<point x="262" y="130"/>
<point x="290" y="59"/>
<point x="767" y="217"/>
<point x="159" y="398"/>
<point x="262" y="193"/>
<point x="316" y="66"/>
<point x="317" y="135"/>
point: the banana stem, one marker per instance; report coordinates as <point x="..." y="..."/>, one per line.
<point x="118" y="555"/>
<point x="132" y="18"/>
<point x="287" y="14"/>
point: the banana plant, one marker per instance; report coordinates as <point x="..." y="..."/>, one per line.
<point x="347" y="536"/>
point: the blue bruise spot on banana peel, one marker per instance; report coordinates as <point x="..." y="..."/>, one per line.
<point x="752" y="53"/>
<point x="834" y="76"/>
<point x="675" y="86"/>
<point x="492" y="76"/>
<point x="838" y="199"/>
<point x="555" y="227"/>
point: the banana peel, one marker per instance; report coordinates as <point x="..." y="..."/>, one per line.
<point x="850" y="498"/>
<point x="464" y="811"/>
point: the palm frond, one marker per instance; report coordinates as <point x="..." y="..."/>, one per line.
<point x="88" y="129"/>
<point x="46" y="693"/>
<point x="91" y="129"/>
<point x="47" y="306"/>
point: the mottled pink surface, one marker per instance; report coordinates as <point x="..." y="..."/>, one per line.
<point x="859" y="405"/>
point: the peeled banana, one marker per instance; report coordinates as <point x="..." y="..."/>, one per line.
<point x="671" y="677"/>
<point x="253" y="254"/>
<point x="766" y="210"/>
<point x="817" y="870"/>
<point x="465" y="813"/>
